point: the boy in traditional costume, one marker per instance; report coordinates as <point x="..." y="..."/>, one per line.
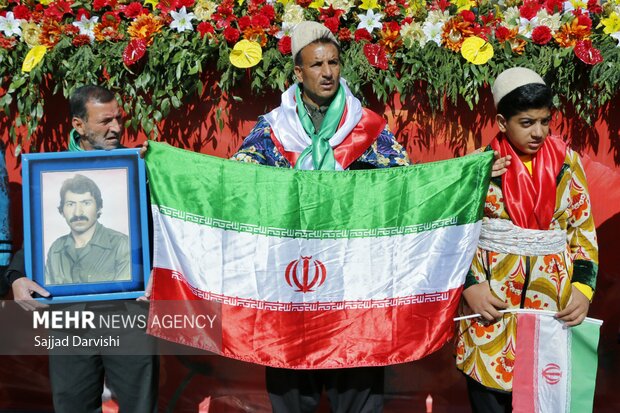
<point x="537" y="247"/>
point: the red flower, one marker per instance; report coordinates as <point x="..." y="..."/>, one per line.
<point x="488" y="18"/>
<point x="284" y="45"/>
<point x="529" y="9"/>
<point x="82" y="12"/>
<point x="244" y="22"/>
<point x="587" y="53"/>
<point x="583" y="20"/>
<point x="481" y="31"/>
<point x="407" y="20"/>
<point x="7" y="43"/>
<point x="99" y="4"/>
<point x="21" y="12"/>
<point x="205" y="28"/>
<point x="333" y="24"/>
<point x="269" y="12"/>
<point x="441" y="4"/>
<point x="468" y="16"/>
<point x="326" y="13"/>
<point x="166" y="6"/>
<point x="135" y="50"/>
<point x="390" y="26"/>
<point x="261" y="21"/>
<point x="502" y="33"/>
<point x="80" y="40"/>
<point x="376" y="56"/>
<point x="70" y="30"/>
<point x="541" y="35"/>
<point x="391" y="9"/>
<point x="188" y="4"/>
<point x="231" y="35"/>
<point x="344" y="34"/>
<point x="133" y="10"/>
<point x="303" y="3"/>
<point x="362" y="34"/>
<point x="56" y="10"/>
<point x="554" y="6"/>
<point x="593" y="7"/>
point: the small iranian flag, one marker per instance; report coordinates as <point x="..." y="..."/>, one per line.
<point x="312" y="269"/>
<point x="555" y="366"/>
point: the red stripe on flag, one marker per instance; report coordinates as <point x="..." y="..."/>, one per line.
<point x="346" y="337"/>
<point x="525" y="383"/>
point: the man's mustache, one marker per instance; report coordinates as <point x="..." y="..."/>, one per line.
<point x="79" y="218"/>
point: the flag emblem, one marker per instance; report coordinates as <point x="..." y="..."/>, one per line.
<point x="305" y="285"/>
<point x="552" y="373"/>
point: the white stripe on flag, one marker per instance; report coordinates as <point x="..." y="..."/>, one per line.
<point x="255" y="266"/>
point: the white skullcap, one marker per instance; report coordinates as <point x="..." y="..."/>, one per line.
<point x="512" y="78"/>
<point x="307" y="32"/>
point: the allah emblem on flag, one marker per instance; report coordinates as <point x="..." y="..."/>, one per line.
<point x="305" y="284"/>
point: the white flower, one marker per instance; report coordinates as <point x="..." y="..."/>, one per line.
<point x="293" y="13"/>
<point x="616" y="36"/>
<point x="182" y="20"/>
<point x="345" y="5"/>
<point x="203" y="9"/>
<point x="526" y="26"/>
<point x="287" y="30"/>
<point x="87" y="26"/>
<point x="512" y="16"/>
<point x="412" y="33"/>
<point x="437" y="16"/>
<point x="553" y="21"/>
<point x="432" y="31"/>
<point x="10" y="26"/>
<point x="370" y="21"/>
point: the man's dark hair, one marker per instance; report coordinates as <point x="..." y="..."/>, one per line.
<point x="323" y="40"/>
<point x="84" y="94"/>
<point x="526" y="97"/>
<point x="80" y="184"/>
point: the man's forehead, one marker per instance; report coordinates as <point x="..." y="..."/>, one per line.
<point x="100" y="109"/>
<point x="78" y="196"/>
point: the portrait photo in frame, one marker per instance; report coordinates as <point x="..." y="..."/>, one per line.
<point x="86" y="224"/>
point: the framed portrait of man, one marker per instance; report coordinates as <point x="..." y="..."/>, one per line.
<point x="86" y="224"/>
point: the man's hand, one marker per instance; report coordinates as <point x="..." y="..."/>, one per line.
<point x="143" y="149"/>
<point x="148" y="291"/>
<point x="576" y="310"/>
<point x="482" y="301"/>
<point x="23" y="288"/>
<point x="500" y="165"/>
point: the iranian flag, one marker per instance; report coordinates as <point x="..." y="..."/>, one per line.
<point x="555" y="366"/>
<point x="312" y="269"/>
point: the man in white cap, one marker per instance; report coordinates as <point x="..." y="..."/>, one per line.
<point x="320" y="125"/>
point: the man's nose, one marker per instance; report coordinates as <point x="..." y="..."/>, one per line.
<point x="116" y="126"/>
<point x="326" y="71"/>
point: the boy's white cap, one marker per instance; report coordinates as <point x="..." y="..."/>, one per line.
<point x="307" y="32"/>
<point x="512" y="78"/>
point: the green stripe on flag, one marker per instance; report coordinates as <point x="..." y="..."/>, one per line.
<point x="223" y="191"/>
<point x="584" y="362"/>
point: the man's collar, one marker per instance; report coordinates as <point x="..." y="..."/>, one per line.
<point x="74" y="142"/>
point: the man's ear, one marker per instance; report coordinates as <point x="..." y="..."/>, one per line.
<point x="78" y="125"/>
<point x="297" y="70"/>
<point x="501" y="122"/>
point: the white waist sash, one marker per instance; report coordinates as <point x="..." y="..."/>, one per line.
<point x="501" y="235"/>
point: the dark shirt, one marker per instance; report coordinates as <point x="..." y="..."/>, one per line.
<point x="104" y="258"/>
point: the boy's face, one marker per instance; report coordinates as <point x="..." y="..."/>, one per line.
<point x="526" y="130"/>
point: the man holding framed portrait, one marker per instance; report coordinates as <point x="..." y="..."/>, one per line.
<point x="89" y="253"/>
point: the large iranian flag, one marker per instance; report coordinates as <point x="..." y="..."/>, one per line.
<point x="311" y="269"/>
<point x="555" y="366"/>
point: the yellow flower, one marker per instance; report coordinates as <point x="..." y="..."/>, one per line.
<point x="45" y="2"/>
<point x="204" y="9"/>
<point x="245" y="54"/>
<point x="33" y="58"/>
<point x="317" y="4"/>
<point x="31" y="33"/>
<point x="611" y="23"/>
<point x="369" y="5"/>
<point x="463" y="4"/>
<point x="476" y="50"/>
<point x="153" y="3"/>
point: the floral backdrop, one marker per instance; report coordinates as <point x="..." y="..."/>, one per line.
<point x="154" y="53"/>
